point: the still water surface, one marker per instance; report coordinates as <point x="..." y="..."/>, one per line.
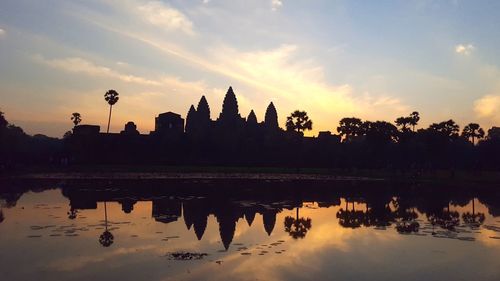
<point x="202" y="232"/>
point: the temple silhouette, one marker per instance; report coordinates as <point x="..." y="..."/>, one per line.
<point x="230" y="139"/>
<point x="237" y="141"/>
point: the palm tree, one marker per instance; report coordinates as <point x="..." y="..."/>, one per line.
<point x="298" y="121"/>
<point x="414" y="118"/>
<point x="76" y="118"/>
<point x="111" y="97"/>
<point x="473" y="131"/>
<point x="106" y="239"/>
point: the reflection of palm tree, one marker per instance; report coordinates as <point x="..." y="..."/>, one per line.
<point x="445" y="219"/>
<point x="298" y="227"/>
<point x="405" y="217"/>
<point x="379" y="214"/>
<point x="72" y="213"/>
<point x="473" y="219"/>
<point x="350" y="219"/>
<point x="106" y="239"/>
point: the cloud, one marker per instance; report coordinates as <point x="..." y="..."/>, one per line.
<point x="79" y="65"/>
<point x="276" y="4"/>
<point x="2" y="32"/>
<point x="488" y="108"/>
<point x="284" y="74"/>
<point x="159" y="14"/>
<point x="280" y="75"/>
<point x="464" y="49"/>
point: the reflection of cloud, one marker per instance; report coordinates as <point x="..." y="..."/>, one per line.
<point x="464" y="49"/>
<point x="78" y="262"/>
<point x="488" y="107"/>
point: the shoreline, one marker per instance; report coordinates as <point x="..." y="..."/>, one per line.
<point x="145" y="172"/>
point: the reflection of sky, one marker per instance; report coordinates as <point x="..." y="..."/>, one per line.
<point x="327" y="252"/>
<point x="371" y="59"/>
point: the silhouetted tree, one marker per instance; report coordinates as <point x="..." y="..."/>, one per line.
<point x="271" y="117"/>
<point x="67" y="135"/>
<point x="472" y="132"/>
<point x="350" y="127"/>
<point x="447" y="129"/>
<point x="3" y="121"/>
<point x="76" y="118"/>
<point x="414" y="118"/>
<point x="404" y="123"/>
<point x="111" y="97"/>
<point x="494" y="133"/>
<point x="380" y="131"/>
<point x="298" y="121"/>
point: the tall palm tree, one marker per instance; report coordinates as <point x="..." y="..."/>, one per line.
<point x="111" y="97"/>
<point x="414" y="118"/>
<point x="76" y="118"/>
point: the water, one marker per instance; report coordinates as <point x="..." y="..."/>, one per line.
<point x="251" y="230"/>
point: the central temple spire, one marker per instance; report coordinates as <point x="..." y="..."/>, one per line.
<point x="229" y="106"/>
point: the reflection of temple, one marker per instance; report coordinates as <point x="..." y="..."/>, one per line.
<point x="166" y="210"/>
<point x="196" y="202"/>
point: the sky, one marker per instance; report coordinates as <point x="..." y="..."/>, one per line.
<point x="376" y="60"/>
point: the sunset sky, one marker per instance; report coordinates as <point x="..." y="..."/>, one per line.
<point x="376" y="60"/>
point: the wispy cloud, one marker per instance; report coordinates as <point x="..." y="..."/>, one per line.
<point x="80" y="65"/>
<point x="276" y="4"/>
<point x="2" y="32"/>
<point x="464" y="49"/>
